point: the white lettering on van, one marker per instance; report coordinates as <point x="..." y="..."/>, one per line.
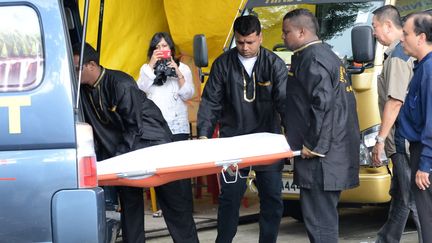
<point x="14" y="103"/>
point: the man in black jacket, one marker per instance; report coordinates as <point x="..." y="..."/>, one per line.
<point x="245" y="94"/>
<point x="322" y="123"/>
<point x="123" y="120"/>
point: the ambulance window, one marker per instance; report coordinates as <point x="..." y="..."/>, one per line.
<point x="21" y="54"/>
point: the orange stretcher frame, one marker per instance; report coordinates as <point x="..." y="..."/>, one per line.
<point x="165" y="175"/>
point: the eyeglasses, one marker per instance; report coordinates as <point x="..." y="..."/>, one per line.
<point x="77" y="68"/>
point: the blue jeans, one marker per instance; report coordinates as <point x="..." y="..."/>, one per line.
<point x="402" y="202"/>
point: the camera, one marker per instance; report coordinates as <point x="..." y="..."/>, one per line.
<point x="162" y="71"/>
<point x="166" y="54"/>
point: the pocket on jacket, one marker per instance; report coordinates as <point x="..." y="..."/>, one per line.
<point x="264" y="90"/>
<point x="413" y="103"/>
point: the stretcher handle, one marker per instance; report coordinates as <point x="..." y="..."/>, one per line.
<point x="228" y="162"/>
<point x="247" y="176"/>
<point x="226" y="168"/>
<point x="136" y="174"/>
<point x="296" y="153"/>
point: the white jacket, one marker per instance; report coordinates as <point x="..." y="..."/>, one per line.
<point x="170" y="98"/>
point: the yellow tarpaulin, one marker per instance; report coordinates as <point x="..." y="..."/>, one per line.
<point x="213" y="18"/>
<point x="129" y="25"/>
<point x="127" y="29"/>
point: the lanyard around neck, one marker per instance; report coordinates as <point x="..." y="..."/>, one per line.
<point x="245" y="87"/>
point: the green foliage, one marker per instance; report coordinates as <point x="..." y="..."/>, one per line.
<point x="15" y="44"/>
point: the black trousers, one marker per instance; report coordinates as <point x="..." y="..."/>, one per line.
<point x="319" y="210"/>
<point x="175" y="200"/>
<point x="269" y="184"/>
<point x="132" y="214"/>
<point x="423" y="199"/>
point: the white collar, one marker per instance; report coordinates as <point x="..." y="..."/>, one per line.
<point x="248" y="63"/>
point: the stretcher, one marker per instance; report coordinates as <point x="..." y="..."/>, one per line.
<point x="160" y="164"/>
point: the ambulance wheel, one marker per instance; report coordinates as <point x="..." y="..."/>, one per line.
<point x="292" y="208"/>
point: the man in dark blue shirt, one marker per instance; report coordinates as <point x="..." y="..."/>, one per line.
<point x="415" y="119"/>
<point x="392" y="86"/>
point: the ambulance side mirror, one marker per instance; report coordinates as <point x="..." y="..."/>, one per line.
<point x="200" y="54"/>
<point x="363" y="44"/>
<point x="200" y="51"/>
<point x="363" y="48"/>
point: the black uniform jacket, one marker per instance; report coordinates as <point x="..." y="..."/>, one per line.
<point x="322" y="117"/>
<point x="122" y="117"/>
<point x="243" y="104"/>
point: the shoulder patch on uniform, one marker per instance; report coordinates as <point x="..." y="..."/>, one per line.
<point x="398" y="52"/>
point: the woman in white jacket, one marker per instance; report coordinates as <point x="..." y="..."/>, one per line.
<point x="168" y="83"/>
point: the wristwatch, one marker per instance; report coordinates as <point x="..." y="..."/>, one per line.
<point x="379" y="139"/>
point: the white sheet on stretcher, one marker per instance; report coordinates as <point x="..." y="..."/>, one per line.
<point x="192" y="152"/>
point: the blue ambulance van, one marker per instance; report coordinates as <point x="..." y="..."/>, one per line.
<point x="48" y="183"/>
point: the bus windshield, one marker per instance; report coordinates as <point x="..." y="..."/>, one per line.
<point x="335" y="20"/>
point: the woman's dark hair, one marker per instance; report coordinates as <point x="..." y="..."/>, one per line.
<point x="156" y="39"/>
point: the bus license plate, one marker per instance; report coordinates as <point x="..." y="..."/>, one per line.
<point x="289" y="187"/>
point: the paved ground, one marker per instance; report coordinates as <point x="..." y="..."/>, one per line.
<point x="357" y="225"/>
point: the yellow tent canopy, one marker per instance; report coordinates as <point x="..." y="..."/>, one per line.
<point x="129" y="25"/>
